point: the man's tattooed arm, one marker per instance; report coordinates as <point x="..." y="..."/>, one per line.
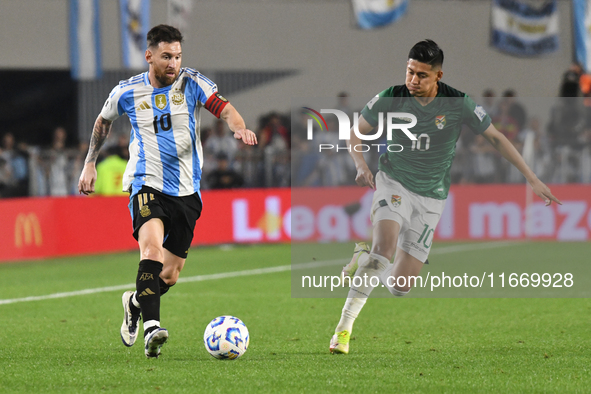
<point x="100" y="132"/>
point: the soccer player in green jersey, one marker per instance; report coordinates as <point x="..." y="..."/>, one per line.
<point x="412" y="183"/>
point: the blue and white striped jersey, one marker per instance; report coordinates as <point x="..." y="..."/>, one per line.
<point x="165" y="150"/>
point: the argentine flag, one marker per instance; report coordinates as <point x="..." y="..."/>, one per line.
<point x="135" y="24"/>
<point x="85" y="39"/>
<point x="376" y="13"/>
<point x="582" y="21"/>
<point x="520" y="29"/>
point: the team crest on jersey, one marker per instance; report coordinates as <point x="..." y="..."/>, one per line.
<point x="160" y="101"/>
<point x="145" y="211"/>
<point x="440" y="121"/>
<point x="177" y="98"/>
<point x="396" y="200"/>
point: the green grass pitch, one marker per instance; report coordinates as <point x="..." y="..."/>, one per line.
<point x="72" y="344"/>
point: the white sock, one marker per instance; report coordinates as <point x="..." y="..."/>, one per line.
<point x="350" y="312"/>
<point x="134" y="300"/>
<point x="387" y="272"/>
<point x="389" y="282"/>
<point x="151" y="323"/>
<point x="372" y="267"/>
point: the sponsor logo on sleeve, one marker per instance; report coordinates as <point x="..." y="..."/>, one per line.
<point x="480" y="112"/>
<point x="373" y="101"/>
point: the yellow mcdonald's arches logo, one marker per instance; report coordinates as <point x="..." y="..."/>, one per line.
<point x="27" y="226"/>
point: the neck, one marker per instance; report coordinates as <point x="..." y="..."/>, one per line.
<point x="152" y="78"/>
<point x="424" y="100"/>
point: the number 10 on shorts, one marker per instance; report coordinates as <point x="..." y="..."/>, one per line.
<point x="426" y="236"/>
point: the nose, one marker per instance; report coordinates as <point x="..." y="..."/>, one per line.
<point x="415" y="79"/>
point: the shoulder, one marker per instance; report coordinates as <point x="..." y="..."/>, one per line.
<point x="447" y="91"/>
<point x="395" y="91"/>
<point x="128" y="85"/>
<point x="139" y="79"/>
<point x="196" y="76"/>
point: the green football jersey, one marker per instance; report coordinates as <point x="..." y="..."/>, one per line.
<point x="423" y="166"/>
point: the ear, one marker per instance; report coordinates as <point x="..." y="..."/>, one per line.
<point x="148" y="56"/>
<point x="439" y="75"/>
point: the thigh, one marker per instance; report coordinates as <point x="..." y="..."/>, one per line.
<point x="184" y="212"/>
<point x="385" y="235"/>
<point x="417" y="238"/>
<point x="150" y="237"/>
<point x="146" y="205"/>
<point x="391" y="201"/>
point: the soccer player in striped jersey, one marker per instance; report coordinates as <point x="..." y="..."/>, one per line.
<point x="163" y="172"/>
<point x="412" y="184"/>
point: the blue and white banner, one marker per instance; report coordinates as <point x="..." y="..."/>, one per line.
<point x="376" y="13"/>
<point x="582" y="21"/>
<point x="179" y="14"/>
<point x="522" y="30"/>
<point x="85" y="39"/>
<point x="135" y="24"/>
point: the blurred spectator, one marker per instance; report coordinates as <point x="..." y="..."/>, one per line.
<point x="332" y="164"/>
<point x="110" y="172"/>
<point x="506" y="123"/>
<point x="5" y="177"/>
<point x="304" y="162"/>
<point x="541" y="152"/>
<point x="224" y="177"/>
<point x="586" y="156"/>
<point x="488" y="102"/>
<point x="461" y="167"/>
<point x="17" y="164"/>
<point x="484" y="161"/>
<point x="274" y="134"/>
<point x="516" y="109"/>
<point x="570" y="85"/>
<point x="566" y="121"/>
<point x="58" y="164"/>
<point x="221" y="141"/>
<point x="343" y="104"/>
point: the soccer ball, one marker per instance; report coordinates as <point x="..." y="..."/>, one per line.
<point x="226" y="337"/>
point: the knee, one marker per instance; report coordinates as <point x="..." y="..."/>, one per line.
<point x="386" y="251"/>
<point x="170" y="276"/>
<point x="152" y="252"/>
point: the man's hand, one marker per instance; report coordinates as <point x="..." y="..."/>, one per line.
<point x="364" y="177"/>
<point x="543" y="192"/>
<point x="87" y="179"/>
<point x="247" y="136"/>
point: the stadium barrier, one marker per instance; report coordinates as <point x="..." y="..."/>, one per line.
<point x="35" y="228"/>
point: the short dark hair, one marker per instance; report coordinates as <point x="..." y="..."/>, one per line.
<point x="428" y="52"/>
<point x="163" y="33"/>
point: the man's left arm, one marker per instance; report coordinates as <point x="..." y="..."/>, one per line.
<point x="508" y="151"/>
<point x="237" y="125"/>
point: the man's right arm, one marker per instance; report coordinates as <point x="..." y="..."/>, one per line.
<point x="100" y="132"/>
<point x="364" y="176"/>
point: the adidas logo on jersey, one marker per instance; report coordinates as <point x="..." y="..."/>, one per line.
<point x="143" y="105"/>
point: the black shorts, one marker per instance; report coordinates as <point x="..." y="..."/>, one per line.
<point x="178" y="214"/>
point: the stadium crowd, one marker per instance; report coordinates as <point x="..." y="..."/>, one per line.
<point x="561" y="150"/>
